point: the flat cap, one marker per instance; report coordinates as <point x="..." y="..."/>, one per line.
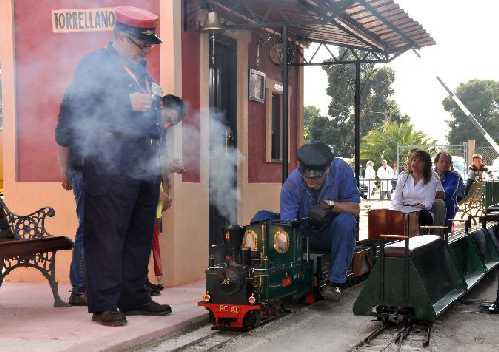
<point x="315" y="155"/>
<point x="138" y="22"/>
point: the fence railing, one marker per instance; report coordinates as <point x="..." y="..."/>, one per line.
<point x="377" y="189"/>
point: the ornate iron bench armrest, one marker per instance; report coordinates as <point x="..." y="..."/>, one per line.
<point x="30" y="226"/>
<point x="32" y="246"/>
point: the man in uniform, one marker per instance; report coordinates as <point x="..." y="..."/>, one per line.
<point x="323" y="189"/>
<point x="109" y="127"/>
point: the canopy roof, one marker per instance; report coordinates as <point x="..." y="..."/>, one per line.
<point x="372" y="25"/>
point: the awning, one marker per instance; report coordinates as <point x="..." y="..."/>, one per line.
<point x="372" y="25"/>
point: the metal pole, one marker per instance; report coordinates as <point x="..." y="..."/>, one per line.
<point x="357" y="122"/>
<point x="398" y="158"/>
<point x="357" y="132"/>
<point x="284" y="66"/>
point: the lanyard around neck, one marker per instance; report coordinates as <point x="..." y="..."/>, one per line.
<point x="147" y="86"/>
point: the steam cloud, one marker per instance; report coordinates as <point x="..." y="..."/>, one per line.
<point x="223" y="165"/>
<point x="96" y="140"/>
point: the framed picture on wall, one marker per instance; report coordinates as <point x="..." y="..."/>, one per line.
<point x="256" y="86"/>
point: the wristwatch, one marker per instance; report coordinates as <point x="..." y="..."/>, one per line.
<point x="330" y="203"/>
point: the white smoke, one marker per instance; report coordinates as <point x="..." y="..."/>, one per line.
<point x="224" y="161"/>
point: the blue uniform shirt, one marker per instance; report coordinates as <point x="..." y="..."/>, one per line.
<point x="339" y="186"/>
<point x="454" y="188"/>
<point x="96" y="120"/>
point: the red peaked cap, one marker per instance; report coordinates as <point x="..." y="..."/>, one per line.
<point x="135" y="17"/>
<point x="138" y="22"/>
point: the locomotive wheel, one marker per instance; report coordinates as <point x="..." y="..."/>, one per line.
<point x="252" y="319"/>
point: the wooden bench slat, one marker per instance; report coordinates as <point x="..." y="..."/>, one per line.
<point x="14" y="248"/>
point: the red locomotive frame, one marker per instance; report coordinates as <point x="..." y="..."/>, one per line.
<point x="232" y="314"/>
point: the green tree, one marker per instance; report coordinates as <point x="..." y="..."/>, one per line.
<point x="310" y="114"/>
<point x="377" y="105"/>
<point x="481" y="97"/>
<point x="381" y="143"/>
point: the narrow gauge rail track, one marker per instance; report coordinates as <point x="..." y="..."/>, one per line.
<point x="204" y="338"/>
<point x="211" y="342"/>
<point x="396" y="337"/>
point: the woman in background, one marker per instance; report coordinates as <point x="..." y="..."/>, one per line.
<point x="417" y="187"/>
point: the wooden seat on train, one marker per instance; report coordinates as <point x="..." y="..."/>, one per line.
<point x="401" y="227"/>
<point x="398" y="249"/>
<point x="392" y="225"/>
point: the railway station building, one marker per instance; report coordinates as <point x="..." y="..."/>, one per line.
<point x="227" y="60"/>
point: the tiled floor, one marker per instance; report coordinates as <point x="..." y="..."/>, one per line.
<point x="29" y="322"/>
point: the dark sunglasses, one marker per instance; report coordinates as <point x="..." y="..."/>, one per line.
<point x="312" y="174"/>
<point x="139" y="44"/>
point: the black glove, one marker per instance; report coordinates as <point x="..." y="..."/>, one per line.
<point x="320" y="214"/>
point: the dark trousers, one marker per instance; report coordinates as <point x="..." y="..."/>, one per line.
<point x="338" y="237"/>
<point x="425" y="218"/>
<point x="118" y="236"/>
<point x="77" y="272"/>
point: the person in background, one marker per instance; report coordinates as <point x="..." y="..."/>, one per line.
<point x="416" y="188"/>
<point x="395" y="175"/>
<point x="385" y="174"/>
<point x="452" y="184"/>
<point x="438" y="208"/>
<point x="476" y="171"/>
<point x="324" y="188"/>
<point x="369" y="178"/>
<point x="173" y="112"/>
<point x="73" y="180"/>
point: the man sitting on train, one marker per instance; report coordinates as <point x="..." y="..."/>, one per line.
<point x="323" y="188"/>
<point x="452" y="184"/>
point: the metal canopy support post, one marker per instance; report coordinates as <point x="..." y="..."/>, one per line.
<point x="357" y="122"/>
<point x="357" y="131"/>
<point x="285" y="93"/>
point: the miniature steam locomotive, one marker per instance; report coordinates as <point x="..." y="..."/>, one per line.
<point x="257" y="269"/>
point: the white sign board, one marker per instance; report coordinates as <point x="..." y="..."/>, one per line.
<point x="83" y="20"/>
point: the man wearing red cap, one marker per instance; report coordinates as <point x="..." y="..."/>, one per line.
<point x="109" y="129"/>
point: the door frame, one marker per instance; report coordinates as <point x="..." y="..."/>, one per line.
<point x="215" y="219"/>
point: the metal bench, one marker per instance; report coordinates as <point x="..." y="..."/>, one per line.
<point x="24" y="242"/>
<point x="473" y="204"/>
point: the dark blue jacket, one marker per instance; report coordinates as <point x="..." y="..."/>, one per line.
<point x="454" y="189"/>
<point x="97" y="123"/>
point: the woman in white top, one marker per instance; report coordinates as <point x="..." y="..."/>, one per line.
<point x="416" y="189"/>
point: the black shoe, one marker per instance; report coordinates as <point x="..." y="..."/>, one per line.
<point x="157" y="287"/>
<point x="155" y="293"/>
<point x="78" y="299"/>
<point x="110" y="318"/>
<point x="332" y="292"/>
<point x="151" y="309"/>
<point x="152" y="290"/>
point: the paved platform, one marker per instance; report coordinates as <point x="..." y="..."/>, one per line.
<point x="29" y="322"/>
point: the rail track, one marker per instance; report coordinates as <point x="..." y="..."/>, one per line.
<point x="396" y="337"/>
